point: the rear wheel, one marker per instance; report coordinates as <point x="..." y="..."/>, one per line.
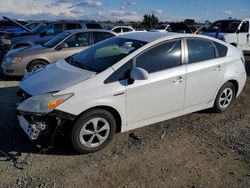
<point x="36" y="65"/>
<point x="224" y="97"/>
<point x="93" y="131"/>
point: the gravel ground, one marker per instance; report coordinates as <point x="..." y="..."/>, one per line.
<point x="202" y="149"/>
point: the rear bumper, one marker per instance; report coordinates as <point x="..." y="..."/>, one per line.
<point x="242" y="82"/>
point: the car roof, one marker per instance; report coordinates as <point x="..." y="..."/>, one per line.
<point x="153" y="36"/>
<point x="89" y="30"/>
<point x="224" y="20"/>
<point x="146" y="36"/>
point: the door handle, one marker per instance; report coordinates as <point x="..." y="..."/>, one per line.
<point x="218" y="68"/>
<point x="178" y="80"/>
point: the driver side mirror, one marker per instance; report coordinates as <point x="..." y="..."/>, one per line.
<point x="138" y="74"/>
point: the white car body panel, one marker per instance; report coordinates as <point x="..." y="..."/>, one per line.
<point x="159" y="97"/>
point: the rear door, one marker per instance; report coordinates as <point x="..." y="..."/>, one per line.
<point x="204" y="72"/>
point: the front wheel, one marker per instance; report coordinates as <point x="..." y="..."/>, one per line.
<point x="224" y="97"/>
<point x="93" y="131"/>
<point x="36" y="65"/>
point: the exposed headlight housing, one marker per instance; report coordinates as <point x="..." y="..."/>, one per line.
<point x="13" y="60"/>
<point x="43" y="104"/>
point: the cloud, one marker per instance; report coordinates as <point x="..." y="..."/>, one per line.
<point x="228" y="12"/>
<point x="91" y="4"/>
<point x="125" y="4"/>
<point x="243" y="10"/>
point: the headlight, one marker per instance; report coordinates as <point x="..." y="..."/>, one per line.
<point x="6" y="41"/>
<point x="43" y="104"/>
<point x="13" y="60"/>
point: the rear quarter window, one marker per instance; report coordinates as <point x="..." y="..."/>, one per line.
<point x="222" y="49"/>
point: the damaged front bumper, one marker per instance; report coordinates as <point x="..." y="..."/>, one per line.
<point x="36" y="126"/>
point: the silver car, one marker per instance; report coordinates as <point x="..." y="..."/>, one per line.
<point x="37" y="56"/>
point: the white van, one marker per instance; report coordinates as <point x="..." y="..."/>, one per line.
<point x="235" y="32"/>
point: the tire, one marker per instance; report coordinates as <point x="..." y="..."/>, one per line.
<point x="85" y="138"/>
<point x="35" y="65"/>
<point x="224" y="97"/>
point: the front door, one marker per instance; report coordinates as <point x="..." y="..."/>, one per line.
<point x="243" y="36"/>
<point x="163" y="92"/>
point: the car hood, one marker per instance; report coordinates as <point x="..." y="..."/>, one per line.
<point x="18" y="24"/>
<point x="27" y="51"/>
<point x="214" y="34"/>
<point x="53" y="78"/>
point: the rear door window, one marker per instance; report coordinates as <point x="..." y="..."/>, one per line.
<point x="125" y="29"/>
<point x="117" y="30"/>
<point x="100" y="36"/>
<point x="77" y="40"/>
<point x="71" y="26"/>
<point x="54" y="29"/>
<point x="200" y="50"/>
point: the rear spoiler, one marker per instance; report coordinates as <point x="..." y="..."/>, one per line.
<point x="20" y="25"/>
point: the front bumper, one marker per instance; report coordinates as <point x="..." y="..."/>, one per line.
<point x="37" y="126"/>
<point x="33" y="131"/>
<point x="13" y="69"/>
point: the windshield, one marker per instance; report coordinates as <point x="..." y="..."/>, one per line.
<point x="225" y="26"/>
<point x="104" y="54"/>
<point x="32" y="25"/>
<point x="39" y="28"/>
<point x="56" y="40"/>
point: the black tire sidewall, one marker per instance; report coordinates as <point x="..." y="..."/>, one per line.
<point x="34" y="63"/>
<point x="75" y="131"/>
<point x="217" y="107"/>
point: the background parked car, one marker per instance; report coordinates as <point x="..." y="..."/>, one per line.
<point x="172" y="27"/>
<point x="63" y="45"/>
<point x="30" y="26"/>
<point x="6" y="24"/>
<point x="235" y="32"/>
<point x="119" y="29"/>
<point x="45" y="32"/>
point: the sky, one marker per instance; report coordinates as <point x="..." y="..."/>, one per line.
<point x="126" y="10"/>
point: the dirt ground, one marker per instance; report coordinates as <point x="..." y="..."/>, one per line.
<point x="202" y="149"/>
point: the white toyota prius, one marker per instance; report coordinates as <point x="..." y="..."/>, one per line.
<point x="127" y="82"/>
